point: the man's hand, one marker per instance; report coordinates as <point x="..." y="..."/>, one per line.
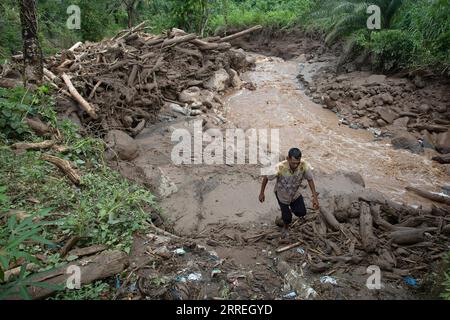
<point x="262" y="197"/>
<point x="315" y="202"/>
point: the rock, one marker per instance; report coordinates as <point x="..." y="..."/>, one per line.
<point x="424" y="108"/>
<point x="375" y="79"/>
<point x="366" y="103"/>
<point x="179" y="109"/>
<point x="329" y="102"/>
<point x="196" y="112"/>
<point x="236" y="82"/>
<point x="387" y="115"/>
<point x="441" y="108"/>
<point x="443" y="142"/>
<point x="418" y="82"/>
<point x="366" y="122"/>
<point x="219" y="81"/>
<point x="408" y="142"/>
<point x="401" y="122"/>
<point x="190" y="95"/>
<point x="427" y="140"/>
<point x="356" y="178"/>
<point x="387" y="98"/>
<point x="381" y="123"/>
<point x="121" y="145"/>
<point x="334" y="95"/>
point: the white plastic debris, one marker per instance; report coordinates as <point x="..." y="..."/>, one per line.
<point x="179" y="251"/>
<point x="290" y="295"/>
<point x="300" y="250"/>
<point x="195" y="276"/>
<point x="328" y="279"/>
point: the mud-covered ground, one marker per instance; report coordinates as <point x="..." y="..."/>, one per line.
<point x="229" y="239"/>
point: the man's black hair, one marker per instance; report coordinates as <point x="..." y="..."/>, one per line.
<point x="295" y="153"/>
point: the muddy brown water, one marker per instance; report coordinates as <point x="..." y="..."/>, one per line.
<point x="198" y="197"/>
<point x="279" y="102"/>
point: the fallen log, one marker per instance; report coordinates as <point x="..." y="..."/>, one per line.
<point x="378" y="220"/>
<point x="83" y="103"/>
<point x="16" y="271"/>
<point x="430" y="195"/>
<point x="240" y="34"/>
<point x="69" y="245"/>
<point x="88" y="250"/>
<point x="102" y="266"/>
<point x="368" y="239"/>
<point x="408" y="237"/>
<point x="177" y="40"/>
<point x="289" y="247"/>
<point x="64" y="166"/>
<point x="40" y="128"/>
<point x="33" y="146"/>
<point x="75" y="46"/>
<point x="211" y="46"/>
<point x="327" y="214"/>
<point x="444" y="159"/>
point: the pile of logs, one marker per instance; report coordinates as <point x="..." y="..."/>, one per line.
<point x="367" y="229"/>
<point x="122" y="83"/>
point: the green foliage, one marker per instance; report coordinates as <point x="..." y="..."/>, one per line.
<point x="92" y="291"/>
<point x="392" y="49"/>
<point x="14" y="106"/>
<point x="446" y="293"/>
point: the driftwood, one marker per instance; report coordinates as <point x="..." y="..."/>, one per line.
<point x="240" y="34"/>
<point x="430" y="195"/>
<point x="369" y="241"/>
<point x="327" y="213"/>
<point x="102" y="266"/>
<point x="444" y="159"/>
<point x="40" y="128"/>
<point x="286" y="248"/>
<point x="88" y="250"/>
<point x="33" y="146"/>
<point x="64" y="166"/>
<point x="407" y="237"/>
<point x="180" y="39"/>
<point x="69" y="245"/>
<point x="380" y="222"/>
<point x="83" y="103"/>
<point x="75" y="46"/>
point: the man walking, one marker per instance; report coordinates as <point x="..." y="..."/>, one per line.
<point x="289" y="174"/>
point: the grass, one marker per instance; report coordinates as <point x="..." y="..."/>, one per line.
<point x="105" y="209"/>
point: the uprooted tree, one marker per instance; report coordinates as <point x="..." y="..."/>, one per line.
<point x="32" y="52"/>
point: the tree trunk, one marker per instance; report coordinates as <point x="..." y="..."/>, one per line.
<point x="32" y="52"/>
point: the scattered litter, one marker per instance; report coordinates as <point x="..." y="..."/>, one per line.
<point x="410" y="281"/>
<point x="301" y="250"/>
<point x="180" y="279"/>
<point x="290" y="295"/>
<point x="311" y="292"/>
<point x="180" y="251"/>
<point x="215" y="272"/>
<point x="117" y="282"/>
<point x="195" y="276"/>
<point x="328" y="279"/>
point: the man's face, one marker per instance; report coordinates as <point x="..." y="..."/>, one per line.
<point x="293" y="163"/>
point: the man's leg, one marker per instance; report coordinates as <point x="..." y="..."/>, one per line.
<point x="286" y="215"/>
<point x="298" y="207"/>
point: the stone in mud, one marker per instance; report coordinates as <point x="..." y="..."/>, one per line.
<point x="427" y="140"/>
<point x="334" y="95"/>
<point x="219" y="81"/>
<point x="121" y="145"/>
<point x="442" y="109"/>
<point x="387" y="98"/>
<point x="190" y="95"/>
<point x="329" y="103"/>
<point x="179" y="109"/>
<point x="418" y="82"/>
<point x="381" y="123"/>
<point x="443" y="142"/>
<point x="366" y="122"/>
<point x="375" y="79"/>
<point x="408" y="142"/>
<point x="236" y="82"/>
<point x="424" y="108"/>
<point x="401" y="122"/>
<point x="387" y="115"/>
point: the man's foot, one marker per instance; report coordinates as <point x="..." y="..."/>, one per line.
<point x="284" y="233"/>
<point x="279" y="222"/>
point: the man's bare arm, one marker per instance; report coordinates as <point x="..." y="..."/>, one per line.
<point x="262" y="197"/>
<point x="315" y="198"/>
